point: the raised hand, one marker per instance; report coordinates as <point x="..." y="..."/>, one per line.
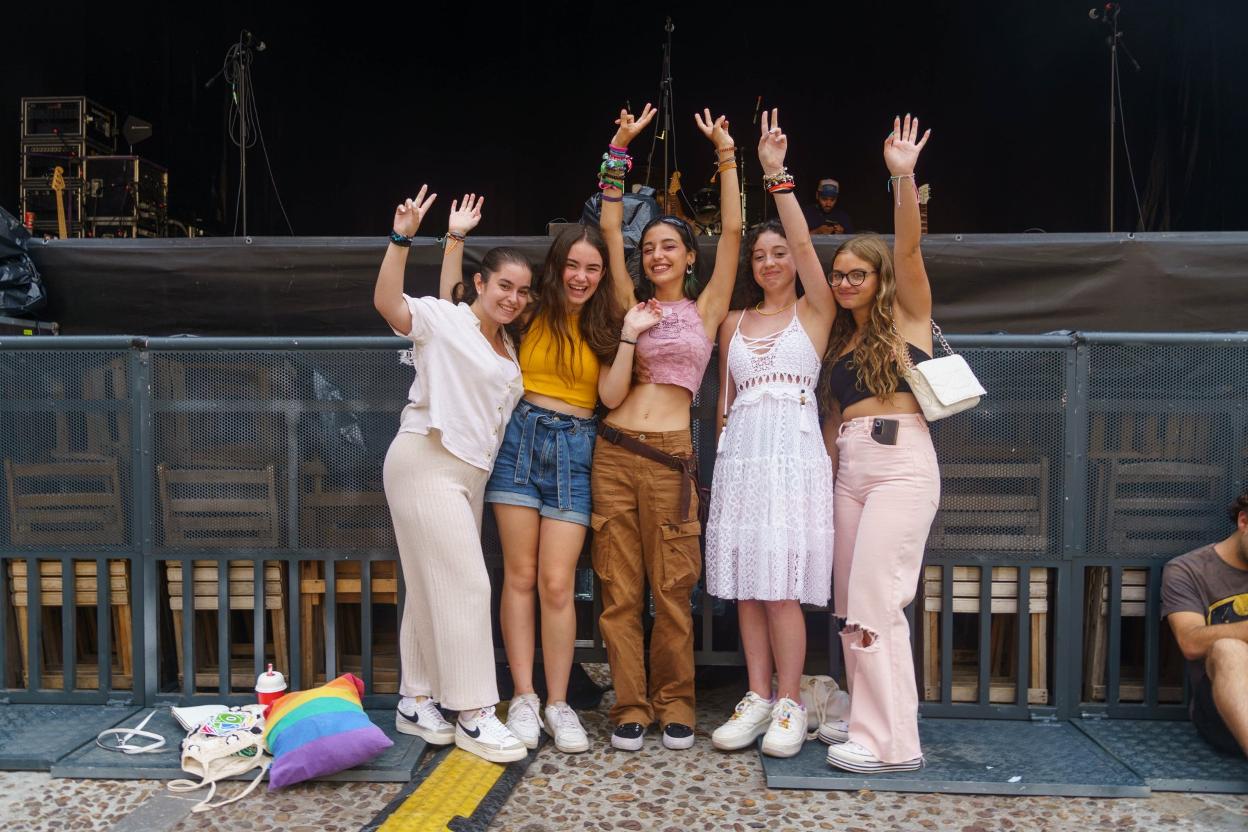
<point x="641" y="317"/>
<point x="407" y="217"/>
<point x="465" y="214"/>
<point x="630" y="126"/>
<point x="714" y="129"/>
<point x="772" y="144"/>
<point x="903" y="145"/>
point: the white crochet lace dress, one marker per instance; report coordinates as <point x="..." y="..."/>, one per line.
<point x="769" y="535"/>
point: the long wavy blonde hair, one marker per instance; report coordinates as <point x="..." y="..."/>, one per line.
<point x="878" y="353"/>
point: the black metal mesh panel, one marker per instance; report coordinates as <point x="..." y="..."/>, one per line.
<point x="1166" y="445"/>
<point x="1001" y="462"/>
<point x="351" y="413"/>
<point x="65" y="437"/>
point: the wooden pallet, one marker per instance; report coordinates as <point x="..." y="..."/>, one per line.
<point x="86" y="594"/>
<point x="241" y="578"/>
<point x="998" y="506"/>
<point x="348" y="586"/>
<point x="65" y="503"/>
<point x="1134" y="604"/>
<point x="966" y="587"/>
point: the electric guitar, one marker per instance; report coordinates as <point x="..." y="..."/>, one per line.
<point x="925" y="193"/>
<point x="58" y="185"/>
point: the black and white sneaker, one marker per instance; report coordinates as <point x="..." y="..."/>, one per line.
<point x="480" y="733"/>
<point x="426" y="722"/>
<point x="677" y="736"/>
<point x="628" y="736"/>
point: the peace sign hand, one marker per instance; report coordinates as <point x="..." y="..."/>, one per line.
<point x="630" y="126"/>
<point x="714" y="129"/>
<point x="772" y="144"/>
<point x="901" y="150"/>
<point x="407" y="216"/>
<point x="465" y="214"/>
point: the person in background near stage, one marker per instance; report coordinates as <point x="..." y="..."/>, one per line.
<point x="540" y="485"/>
<point x="467" y="382"/>
<point x="825" y="217"/>
<point x="645" y="516"/>
<point x="1205" y="595"/>
<point x="769" y="533"/>
<point x="887" y="481"/>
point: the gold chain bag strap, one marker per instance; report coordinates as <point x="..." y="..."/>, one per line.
<point x="943" y="386"/>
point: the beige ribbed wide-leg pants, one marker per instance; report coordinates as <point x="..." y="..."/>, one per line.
<point x="445" y="642"/>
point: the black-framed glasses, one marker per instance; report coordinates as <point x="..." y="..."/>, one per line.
<point x="855" y="277"/>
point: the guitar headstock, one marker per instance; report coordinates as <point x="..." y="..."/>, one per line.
<point x="925" y="193"/>
<point x="674" y="185"/>
<point x="58" y="178"/>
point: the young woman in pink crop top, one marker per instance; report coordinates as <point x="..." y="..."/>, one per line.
<point x="645" y="519"/>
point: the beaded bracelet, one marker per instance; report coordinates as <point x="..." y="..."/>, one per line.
<point x="730" y="149"/>
<point x="783" y="176"/>
<point x="400" y="240"/>
<point x="780" y="188"/>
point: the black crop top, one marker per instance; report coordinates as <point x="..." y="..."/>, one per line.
<point x="846" y="382"/>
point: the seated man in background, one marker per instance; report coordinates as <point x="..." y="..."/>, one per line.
<point x="824" y="217"/>
<point x="1205" y="595"/>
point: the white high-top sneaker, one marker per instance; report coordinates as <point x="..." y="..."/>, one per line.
<point x="482" y="734"/>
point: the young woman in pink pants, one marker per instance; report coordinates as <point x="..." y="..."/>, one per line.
<point x="887" y="482"/>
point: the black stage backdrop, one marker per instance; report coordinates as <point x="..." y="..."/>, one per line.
<point x="359" y="104"/>
<point x="1032" y="283"/>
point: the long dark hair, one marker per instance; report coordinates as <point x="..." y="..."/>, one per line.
<point x="600" y="317"/>
<point x="692" y="286"/>
<point x="746" y="293"/>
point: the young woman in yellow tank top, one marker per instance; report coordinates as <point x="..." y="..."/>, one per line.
<point x="540" y="484"/>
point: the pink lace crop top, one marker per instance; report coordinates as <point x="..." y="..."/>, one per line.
<point x="676" y="349"/>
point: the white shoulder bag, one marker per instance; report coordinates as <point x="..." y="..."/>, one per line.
<point x="944" y="386"/>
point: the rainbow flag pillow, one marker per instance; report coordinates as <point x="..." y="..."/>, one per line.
<point x="312" y="733"/>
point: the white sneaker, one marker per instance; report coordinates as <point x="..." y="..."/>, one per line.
<point x="524" y="719"/>
<point x="748" y="722"/>
<point x="563" y="724"/>
<point x="787" y="731"/>
<point x="425" y="721"/>
<point x="488" y="738"/>
<point x="851" y="756"/>
<point x="834" y="732"/>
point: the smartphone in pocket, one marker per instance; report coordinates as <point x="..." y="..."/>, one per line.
<point x="884" y="431"/>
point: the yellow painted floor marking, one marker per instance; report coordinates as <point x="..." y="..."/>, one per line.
<point x="455" y="787"/>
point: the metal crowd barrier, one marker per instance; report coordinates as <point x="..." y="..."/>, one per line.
<point x="151" y="484"/>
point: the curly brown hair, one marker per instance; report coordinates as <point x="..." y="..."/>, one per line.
<point x="600" y="317"/>
<point x="878" y="352"/>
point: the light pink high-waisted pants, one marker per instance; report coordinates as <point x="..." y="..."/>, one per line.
<point x="883" y="506"/>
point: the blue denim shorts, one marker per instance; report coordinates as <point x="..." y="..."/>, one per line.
<point x="544" y="463"/>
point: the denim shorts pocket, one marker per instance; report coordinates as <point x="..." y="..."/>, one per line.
<point x="682" y="554"/>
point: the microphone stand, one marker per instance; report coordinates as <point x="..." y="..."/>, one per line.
<point x="1114" y="41"/>
<point x="667" y="134"/>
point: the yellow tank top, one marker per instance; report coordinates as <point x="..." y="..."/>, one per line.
<point x="538" y="355"/>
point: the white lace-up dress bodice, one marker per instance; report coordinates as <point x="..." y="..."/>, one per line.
<point x="769" y="534"/>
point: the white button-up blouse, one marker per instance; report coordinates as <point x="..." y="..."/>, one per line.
<point x="463" y="388"/>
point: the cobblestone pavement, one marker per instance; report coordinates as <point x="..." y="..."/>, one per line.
<point x="654" y="790"/>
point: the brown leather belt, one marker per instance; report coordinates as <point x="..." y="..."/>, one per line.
<point x="687" y="465"/>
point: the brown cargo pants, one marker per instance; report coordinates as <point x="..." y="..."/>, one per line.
<point x="640" y="537"/>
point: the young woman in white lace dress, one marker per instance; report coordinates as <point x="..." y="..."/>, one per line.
<point x="769" y="535"/>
